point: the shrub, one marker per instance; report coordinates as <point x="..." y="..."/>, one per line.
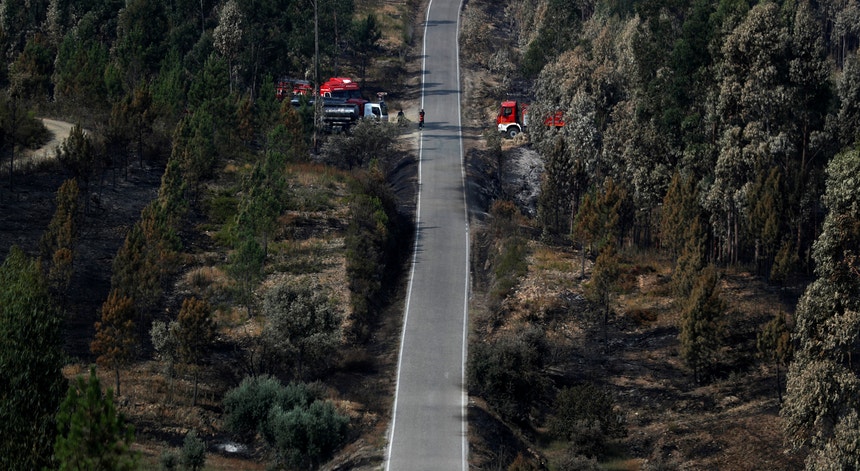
<point x="508" y="372"/>
<point x="193" y="454"/>
<point x="585" y="416"/>
<point x="295" y="421"/>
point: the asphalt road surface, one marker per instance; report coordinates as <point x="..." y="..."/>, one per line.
<point x="428" y="428"/>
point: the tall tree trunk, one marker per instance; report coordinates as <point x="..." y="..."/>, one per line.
<point x="116" y="372"/>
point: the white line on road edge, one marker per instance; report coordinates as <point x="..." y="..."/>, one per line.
<point x="414" y="250"/>
<point x="464" y="398"/>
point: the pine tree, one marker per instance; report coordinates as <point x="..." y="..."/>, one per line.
<point x="604" y="280"/>
<point x="196" y="333"/>
<point x="115" y="340"/>
<point x="822" y="401"/>
<point x="92" y="435"/>
<point x="701" y="330"/>
<point x="774" y="344"/>
<point x="31" y="358"/>
<point x="57" y="246"/>
<point x="193" y="454"/>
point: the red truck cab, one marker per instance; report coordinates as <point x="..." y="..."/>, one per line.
<point x="513" y="118"/>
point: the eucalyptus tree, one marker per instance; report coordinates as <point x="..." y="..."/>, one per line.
<point x="752" y="108"/>
<point x="229" y="35"/>
<point x="822" y="402"/>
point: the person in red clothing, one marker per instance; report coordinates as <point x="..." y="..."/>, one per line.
<point x="421" y="119"/>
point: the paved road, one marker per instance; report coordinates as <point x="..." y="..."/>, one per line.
<point x="428" y="430"/>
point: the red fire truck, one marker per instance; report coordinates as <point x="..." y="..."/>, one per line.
<point x="513" y="118"/>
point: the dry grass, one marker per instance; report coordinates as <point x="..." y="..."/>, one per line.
<point x="731" y="423"/>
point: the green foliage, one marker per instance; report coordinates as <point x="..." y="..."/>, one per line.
<point x="141" y="40"/>
<point x="555" y="35"/>
<point x="701" y="326"/>
<point x="367" y="142"/>
<point x="603" y="283"/>
<point x="373" y="240"/>
<point x="265" y="197"/>
<point x="92" y="435"/>
<point x="31" y="358"/>
<point x="303" y="327"/>
<point x="557" y="194"/>
<point x="193" y="454"/>
<point x="692" y="259"/>
<point x="365" y="41"/>
<point x="57" y="245"/>
<point x="509" y="266"/>
<point x="30" y="74"/>
<point x="115" y="339"/>
<point x="78" y="154"/>
<point x="306" y="437"/>
<point x="680" y="207"/>
<point x="508" y="372"/>
<point x="302" y="428"/>
<point x="246" y="267"/>
<point x="195" y="333"/>
<point x="823" y="387"/>
<point x="169" y="460"/>
<point x="585" y="415"/>
<point x="601" y="215"/>
<point x="149" y="253"/>
<point x="79" y="70"/>
<point x="774" y="344"/>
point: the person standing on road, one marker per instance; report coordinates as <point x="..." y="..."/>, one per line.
<point x="421" y="119"/>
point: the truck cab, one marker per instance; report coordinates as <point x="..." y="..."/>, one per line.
<point x="377" y="111"/>
<point x="510" y="120"/>
<point x="513" y="118"/>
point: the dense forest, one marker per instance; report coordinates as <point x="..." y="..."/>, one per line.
<point x="180" y="150"/>
<point x="720" y="134"/>
<point x="723" y="136"/>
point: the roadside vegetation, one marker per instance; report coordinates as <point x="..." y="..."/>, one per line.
<point x="675" y="261"/>
<point x="205" y="250"/>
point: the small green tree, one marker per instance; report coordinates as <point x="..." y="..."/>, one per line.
<point x="774" y="344"/>
<point x="701" y="329"/>
<point x="246" y="267"/>
<point x="77" y="153"/>
<point x="604" y="281"/>
<point x="509" y="372"/>
<point x="92" y="435"/>
<point x="193" y="454"/>
<point x="115" y="339"/>
<point x="196" y="333"/>
<point x="365" y="41"/>
<point x="57" y="246"/>
<point x="585" y="415"/>
<point x="303" y="326"/>
<point x="165" y="341"/>
<point x="303" y="437"/>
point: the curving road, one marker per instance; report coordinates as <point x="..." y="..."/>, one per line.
<point x="428" y="427"/>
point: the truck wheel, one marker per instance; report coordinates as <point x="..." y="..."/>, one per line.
<point x="512" y="132"/>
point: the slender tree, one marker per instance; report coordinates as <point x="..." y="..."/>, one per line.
<point x="115" y="340"/>
<point x="91" y="433"/>
<point x="57" y="246"/>
<point x="774" y="344"/>
<point x="196" y="332"/>
<point x="701" y="325"/>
